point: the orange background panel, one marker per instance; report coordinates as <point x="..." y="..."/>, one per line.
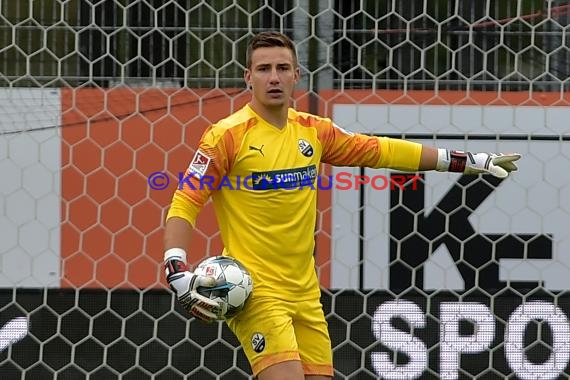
<point x="328" y="98"/>
<point x="112" y="221"/>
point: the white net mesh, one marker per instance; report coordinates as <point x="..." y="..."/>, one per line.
<point x="102" y="103"/>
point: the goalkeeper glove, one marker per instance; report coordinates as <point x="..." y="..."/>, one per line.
<point x="185" y="284"/>
<point x="499" y="165"/>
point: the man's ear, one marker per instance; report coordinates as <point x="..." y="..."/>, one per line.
<point x="247" y="78"/>
<point x="297" y="74"/>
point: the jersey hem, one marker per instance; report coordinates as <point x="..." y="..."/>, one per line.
<point x="268" y="361"/>
<point x="318" y="369"/>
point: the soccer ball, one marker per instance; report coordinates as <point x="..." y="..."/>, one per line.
<point x="233" y="282"/>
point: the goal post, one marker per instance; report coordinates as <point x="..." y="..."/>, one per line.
<point x="423" y="275"/>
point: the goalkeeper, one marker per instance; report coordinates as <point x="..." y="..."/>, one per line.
<point x="270" y="229"/>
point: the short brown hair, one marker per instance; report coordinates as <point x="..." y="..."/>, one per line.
<point x="270" y="39"/>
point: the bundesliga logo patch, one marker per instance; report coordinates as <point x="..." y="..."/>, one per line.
<point x="199" y="164"/>
<point x="211" y="271"/>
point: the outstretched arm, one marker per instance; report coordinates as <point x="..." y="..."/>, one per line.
<point x="428" y="158"/>
<point x="445" y="160"/>
<point x="342" y="148"/>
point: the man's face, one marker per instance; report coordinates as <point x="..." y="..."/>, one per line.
<point x="272" y="75"/>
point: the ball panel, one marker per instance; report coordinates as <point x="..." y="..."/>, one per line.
<point x="233" y="274"/>
<point x="237" y="296"/>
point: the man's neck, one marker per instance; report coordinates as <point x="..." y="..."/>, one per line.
<point x="277" y="116"/>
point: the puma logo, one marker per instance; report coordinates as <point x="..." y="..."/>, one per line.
<point x="260" y="149"/>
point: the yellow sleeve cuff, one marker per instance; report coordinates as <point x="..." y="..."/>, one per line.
<point x="183" y="208"/>
<point x="399" y="154"/>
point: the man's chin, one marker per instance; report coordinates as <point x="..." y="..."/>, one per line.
<point x="275" y="103"/>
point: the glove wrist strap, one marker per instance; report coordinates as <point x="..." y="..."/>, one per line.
<point x="174" y="261"/>
<point x="451" y="161"/>
<point x="175" y="253"/>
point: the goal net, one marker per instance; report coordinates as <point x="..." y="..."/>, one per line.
<point x="424" y="276"/>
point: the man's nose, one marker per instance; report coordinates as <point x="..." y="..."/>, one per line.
<point x="274" y="77"/>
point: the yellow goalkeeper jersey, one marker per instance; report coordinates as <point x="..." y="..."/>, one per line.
<point x="263" y="182"/>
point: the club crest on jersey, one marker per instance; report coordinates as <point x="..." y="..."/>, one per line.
<point x="305" y="148"/>
<point x="199" y="163"/>
<point x="258" y="342"/>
